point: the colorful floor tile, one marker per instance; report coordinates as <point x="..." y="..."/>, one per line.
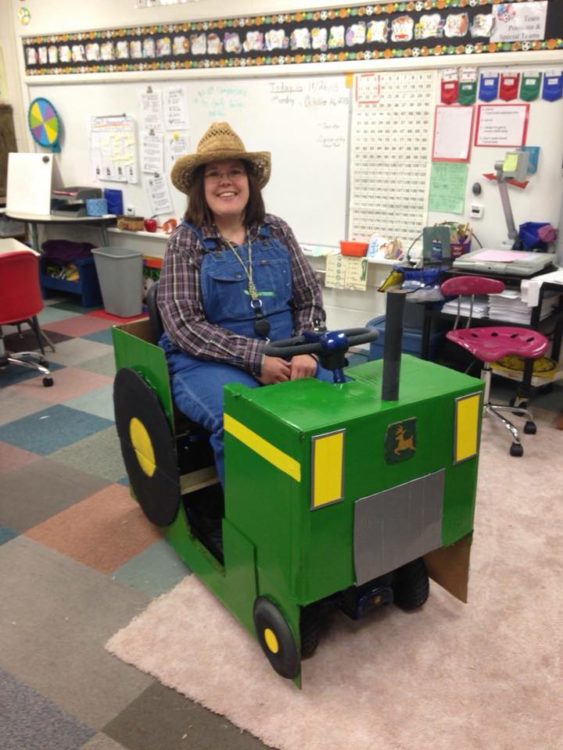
<point x="50" y="429"/>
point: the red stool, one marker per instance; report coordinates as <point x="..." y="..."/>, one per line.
<point x="489" y="343"/>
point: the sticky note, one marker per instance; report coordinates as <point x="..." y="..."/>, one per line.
<point x="510" y="163"/>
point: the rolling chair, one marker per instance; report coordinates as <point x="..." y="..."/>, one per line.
<point x="489" y="343"/>
<point x="21" y="301"/>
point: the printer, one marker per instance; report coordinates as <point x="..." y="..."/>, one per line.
<point x="71" y="201"/>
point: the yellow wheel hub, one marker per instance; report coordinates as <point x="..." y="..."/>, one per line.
<point x="142" y="445"/>
<point x="271" y="640"/>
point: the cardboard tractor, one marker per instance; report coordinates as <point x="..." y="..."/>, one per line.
<point x="341" y="495"/>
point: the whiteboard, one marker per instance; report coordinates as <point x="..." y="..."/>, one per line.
<point x="29" y="184"/>
<point x="303" y="121"/>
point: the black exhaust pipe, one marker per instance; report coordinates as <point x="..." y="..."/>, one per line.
<point x="394" y="311"/>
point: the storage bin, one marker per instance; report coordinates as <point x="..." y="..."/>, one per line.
<point x="120" y="272"/>
<point x="412" y="340"/>
<point x="86" y="286"/>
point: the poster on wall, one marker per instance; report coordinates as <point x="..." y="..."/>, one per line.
<point x="519" y="22"/>
<point x="452" y="133"/>
<point x="501" y="125"/>
<point x="113" y="149"/>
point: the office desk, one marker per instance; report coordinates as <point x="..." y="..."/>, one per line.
<point x="511" y="282"/>
<point x="103" y="222"/>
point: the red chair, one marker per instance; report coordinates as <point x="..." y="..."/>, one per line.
<point x="21" y="301"/>
<point x="489" y="343"/>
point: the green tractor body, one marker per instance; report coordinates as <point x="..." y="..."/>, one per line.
<point x="328" y="488"/>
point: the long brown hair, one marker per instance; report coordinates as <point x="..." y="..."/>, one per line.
<point x="198" y="212"/>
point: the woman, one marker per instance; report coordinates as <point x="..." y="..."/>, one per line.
<point x="232" y="278"/>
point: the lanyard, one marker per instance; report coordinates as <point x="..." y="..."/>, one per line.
<point x="261" y="325"/>
<point x="255" y="301"/>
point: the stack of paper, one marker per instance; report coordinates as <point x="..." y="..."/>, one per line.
<point x="480" y="307"/>
<point x="508" y="306"/>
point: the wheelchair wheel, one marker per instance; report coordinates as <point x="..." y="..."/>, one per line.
<point x="148" y="447"/>
<point x="276" y="639"/>
<point x="410" y="585"/>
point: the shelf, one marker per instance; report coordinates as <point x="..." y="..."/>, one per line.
<point x="86" y="286"/>
<point x="537" y="381"/>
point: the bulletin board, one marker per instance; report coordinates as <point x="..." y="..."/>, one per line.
<point x="302" y="121"/>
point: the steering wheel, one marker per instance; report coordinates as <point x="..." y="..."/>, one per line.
<point x="330" y="346"/>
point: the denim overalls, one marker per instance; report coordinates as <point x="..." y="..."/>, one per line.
<point x="197" y="385"/>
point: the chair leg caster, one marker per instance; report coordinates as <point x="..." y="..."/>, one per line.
<point x="530" y="427"/>
<point x="516" y="449"/>
<point x="47" y="382"/>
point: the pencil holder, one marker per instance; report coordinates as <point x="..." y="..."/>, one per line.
<point x="459" y="248"/>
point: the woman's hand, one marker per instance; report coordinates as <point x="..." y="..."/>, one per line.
<point x="274" y="370"/>
<point x="303" y="366"/>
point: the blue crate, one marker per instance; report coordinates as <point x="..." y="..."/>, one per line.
<point x="87" y="285"/>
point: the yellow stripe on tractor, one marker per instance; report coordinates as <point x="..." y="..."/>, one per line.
<point x="263" y="448"/>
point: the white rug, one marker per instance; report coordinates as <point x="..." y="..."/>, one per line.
<point x="481" y="676"/>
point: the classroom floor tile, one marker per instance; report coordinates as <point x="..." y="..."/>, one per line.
<point x="104" y="365"/>
<point x="77" y="326"/>
<point x="12" y="457"/>
<point x="99" y="453"/>
<point x="69" y="383"/>
<point x="14" y="374"/>
<point x="78" y="609"/>
<point x="78" y="350"/>
<point x="41" y="489"/>
<point x="101" y="741"/>
<point x="50" y="429"/>
<point x="154" y="571"/>
<point x="98" y="401"/>
<point x="27" y="341"/>
<point x="52" y="313"/>
<point x="104" y="531"/>
<point x="160" y="717"/>
<point x="29" y="721"/>
<point x="102" y="337"/>
<point x="13" y="405"/>
<point x="7" y="535"/>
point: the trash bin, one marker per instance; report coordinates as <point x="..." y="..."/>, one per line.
<point x="120" y="273"/>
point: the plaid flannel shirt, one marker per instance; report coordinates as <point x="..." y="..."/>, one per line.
<point x="180" y="304"/>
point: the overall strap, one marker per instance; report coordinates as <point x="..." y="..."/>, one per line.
<point x="208" y="243"/>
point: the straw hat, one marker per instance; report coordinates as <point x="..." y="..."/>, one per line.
<point x="218" y="143"/>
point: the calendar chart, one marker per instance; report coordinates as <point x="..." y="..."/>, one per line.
<point x="391" y="138"/>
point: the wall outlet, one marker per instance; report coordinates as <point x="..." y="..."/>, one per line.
<point x="476" y="211"/>
<point x="130" y="211"/>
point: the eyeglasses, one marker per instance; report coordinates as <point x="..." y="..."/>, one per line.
<point x="234" y="174"/>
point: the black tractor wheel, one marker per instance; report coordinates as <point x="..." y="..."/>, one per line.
<point x="276" y="639"/>
<point x="410" y="585"/>
<point x="148" y="447"/>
